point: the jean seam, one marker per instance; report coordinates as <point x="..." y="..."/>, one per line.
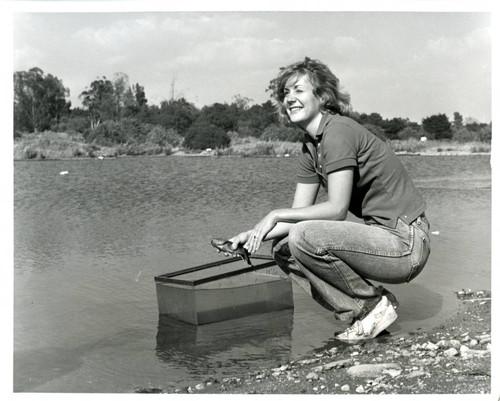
<point x="327" y="249"/>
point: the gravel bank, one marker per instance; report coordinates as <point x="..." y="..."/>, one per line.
<point x="453" y="358"/>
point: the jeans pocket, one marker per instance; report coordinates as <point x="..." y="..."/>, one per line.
<point x="420" y="254"/>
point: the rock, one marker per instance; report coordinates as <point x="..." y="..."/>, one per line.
<point x="415" y="373"/>
<point x="199" y="386"/>
<point x="473" y="343"/>
<point x="308" y="361"/>
<point x="393" y="372"/>
<point x="430" y="346"/>
<point x="312" y="376"/>
<point x="467" y="352"/>
<point x="360" y="389"/>
<point x="484" y="338"/>
<point x="455" y="344"/>
<point x="371" y="370"/>
<point x="450" y="352"/>
<point x="336" y="364"/>
<point x="345" y="388"/>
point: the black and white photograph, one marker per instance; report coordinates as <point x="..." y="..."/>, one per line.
<point x="265" y="199"/>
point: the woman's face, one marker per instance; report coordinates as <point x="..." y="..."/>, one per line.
<point x="302" y="105"/>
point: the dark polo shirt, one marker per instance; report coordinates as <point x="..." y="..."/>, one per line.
<point x="382" y="190"/>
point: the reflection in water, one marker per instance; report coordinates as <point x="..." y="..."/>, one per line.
<point x="226" y="347"/>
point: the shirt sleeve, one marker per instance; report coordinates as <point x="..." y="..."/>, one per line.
<point x="306" y="172"/>
<point x="340" y="148"/>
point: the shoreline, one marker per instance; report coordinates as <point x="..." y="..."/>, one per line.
<point x="201" y="154"/>
<point x="452" y="358"/>
<point x="62" y="146"/>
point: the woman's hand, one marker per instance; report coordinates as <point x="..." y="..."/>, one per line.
<point x="240" y="239"/>
<point x="259" y="232"/>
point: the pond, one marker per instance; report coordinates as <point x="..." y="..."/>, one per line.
<point x="88" y="244"/>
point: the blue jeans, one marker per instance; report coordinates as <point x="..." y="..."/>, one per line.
<point x="333" y="261"/>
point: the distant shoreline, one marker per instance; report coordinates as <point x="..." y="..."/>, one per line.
<point x="63" y="146"/>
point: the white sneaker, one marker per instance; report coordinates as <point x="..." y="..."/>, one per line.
<point x="381" y="317"/>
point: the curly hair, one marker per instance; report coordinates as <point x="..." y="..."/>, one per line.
<point x="325" y="83"/>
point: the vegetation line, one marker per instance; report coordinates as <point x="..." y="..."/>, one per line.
<point x="115" y="119"/>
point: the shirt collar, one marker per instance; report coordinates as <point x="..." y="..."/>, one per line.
<point x="325" y="120"/>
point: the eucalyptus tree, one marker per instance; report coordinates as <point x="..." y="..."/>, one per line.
<point x="39" y="100"/>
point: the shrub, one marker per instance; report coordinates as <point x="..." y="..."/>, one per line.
<point x="71" y="124"/>
<point x="462" y="135"/>
<point x="411" y="145"/>
<point x="485" y="134"/>
<point x="203" y="135"/>
<point x="276" y="132"/>
<point x="108" y="133"/>
<point x="158" y="135"/>
<point x="409" y="133"/>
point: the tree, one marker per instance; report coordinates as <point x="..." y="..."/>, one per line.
<point x="438" y="126"/>
<point x="134" y="100"/>
<point x="177" y="114"/>
<point x="242" y="102"/>
<point x="100" y="101"/>
<point x="221" y="115"/>
<point x="458" y="120"/>
<point x="372" y="119"/>
<point x="39" y="100"/>
<point x="394" y="126"/>
<point x="253" y="121"/>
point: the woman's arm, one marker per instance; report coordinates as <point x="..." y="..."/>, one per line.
<point x="305" y="195"/>
<point x="335" y="208"/>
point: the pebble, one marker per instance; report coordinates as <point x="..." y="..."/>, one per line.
<point x="312" y="376"/>
<point x="199" y="386"/>
<point x="345" y="388"/>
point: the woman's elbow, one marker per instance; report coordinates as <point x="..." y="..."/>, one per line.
<point x="339" y="212"/>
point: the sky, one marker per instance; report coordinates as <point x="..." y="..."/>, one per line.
<point x="408" y="64"/>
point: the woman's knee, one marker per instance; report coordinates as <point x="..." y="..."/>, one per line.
<point x="296" y="236"/>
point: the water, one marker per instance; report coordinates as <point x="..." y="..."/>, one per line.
<point x="88" y="244"/>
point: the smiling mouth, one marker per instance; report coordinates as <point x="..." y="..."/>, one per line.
<point x="294" y="109"/>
